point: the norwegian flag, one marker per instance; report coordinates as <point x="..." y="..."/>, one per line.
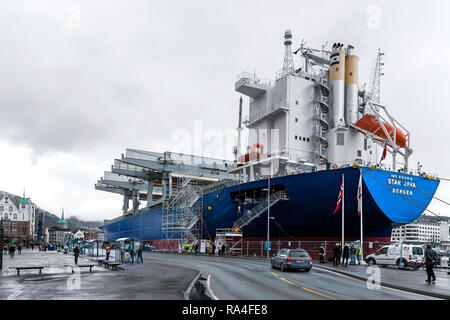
<point x="340" y="196"/>
<point x="359" y="197"/>
<point x="384" y="154"/>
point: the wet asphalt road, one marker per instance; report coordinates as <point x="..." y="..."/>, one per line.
<point x="240" y="278"/>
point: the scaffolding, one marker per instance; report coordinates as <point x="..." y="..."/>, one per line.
<point x="231" y="237"/>
<point x="182" y="215"/>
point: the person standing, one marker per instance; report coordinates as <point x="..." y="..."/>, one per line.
<point x="336" y="255"/>
<point x="76" y="253"/>
<point x="340" y="252"/>
<point x="32" y="246"/>
<point x="345" y="254"/>
<point x="213" y="249"/>
<point x="108" y="251"/>
<point x="353" y="254"/>
<point x="12" y="249"/>
<point x="430" y="257"/>
<point x="227" y="249"/>
<point x="139" y="258"/>
<point x="19" y="249"/>
<point x="321" y="254"/>
<point x="358" y="255"/>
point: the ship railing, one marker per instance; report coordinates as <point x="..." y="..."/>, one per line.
<point x="251" y="78"/>
<point x="219" y="185"/>
<point x="282" y="105"/>
<point x="120" y="165"/>
<point x="179" y="158"/>
<point x="260" y="208"/>
<point x="386" y="167"/>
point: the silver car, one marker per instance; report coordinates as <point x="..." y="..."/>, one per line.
<point x="291" y="259"/>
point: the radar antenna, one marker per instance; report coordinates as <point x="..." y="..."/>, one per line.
<point x="288" y="63"/>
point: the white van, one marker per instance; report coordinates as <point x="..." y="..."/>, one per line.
<point x="390" y="255"/>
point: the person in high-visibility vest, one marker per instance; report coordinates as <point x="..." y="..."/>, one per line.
<point x="358" y="255"/>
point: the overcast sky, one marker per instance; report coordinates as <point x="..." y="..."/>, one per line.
<point x="80" y="81"/>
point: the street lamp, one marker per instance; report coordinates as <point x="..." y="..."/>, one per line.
<point x="268" y="218"/>
<point x="1" y="244"/>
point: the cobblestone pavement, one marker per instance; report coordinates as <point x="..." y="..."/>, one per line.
<point x="53" y="262"/>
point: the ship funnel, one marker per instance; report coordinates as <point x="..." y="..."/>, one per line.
<point x="337" y="88"/>
<point x="351" y="86"/>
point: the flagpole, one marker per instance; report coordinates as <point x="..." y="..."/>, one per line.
<point x="343" y="211"/>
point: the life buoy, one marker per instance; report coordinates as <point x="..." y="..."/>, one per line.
<point x="334" y="166"/>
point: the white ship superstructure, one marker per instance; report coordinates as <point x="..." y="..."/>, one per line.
<point x="305" y="119"/>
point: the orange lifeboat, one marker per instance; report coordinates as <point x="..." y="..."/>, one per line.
<point x="370" y="123"/>
<point x="253" y="155"/>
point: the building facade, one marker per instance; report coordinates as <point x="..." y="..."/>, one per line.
<point x="424" y="229"/>
<point x="60" y="233"/>
<point x="18" y="214"/>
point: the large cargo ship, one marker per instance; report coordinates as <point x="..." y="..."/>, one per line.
<point x="312" y="132"/>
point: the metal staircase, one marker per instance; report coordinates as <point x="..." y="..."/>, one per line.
<point x="320" y="123"/>
<point x="259" y="208"/>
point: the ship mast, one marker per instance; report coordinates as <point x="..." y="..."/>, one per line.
<point x="288" y="62"/>
<point x="375" y="83"/>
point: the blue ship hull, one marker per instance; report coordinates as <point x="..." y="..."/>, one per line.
<point x="388" y="198"/>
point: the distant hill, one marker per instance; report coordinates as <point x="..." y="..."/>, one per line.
<point x="73" y="222"/>
<point x="81" y="223"/>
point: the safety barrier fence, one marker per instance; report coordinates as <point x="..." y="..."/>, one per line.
<point x="257" y="248"/>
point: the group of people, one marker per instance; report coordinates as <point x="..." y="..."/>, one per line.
<point x="133" y="254"/>
<point x="342" y="254"/>
<point x="11" y="249"/>
<point x="191" y="248"/>
<point x="223" y="249"/>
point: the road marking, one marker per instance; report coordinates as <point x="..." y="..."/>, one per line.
<point x="287" y="281"/>
<point x="208" y="285"/>
<point x="320" y="294"/>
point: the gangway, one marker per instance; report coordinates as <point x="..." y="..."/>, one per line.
<point x="273" y="199"/>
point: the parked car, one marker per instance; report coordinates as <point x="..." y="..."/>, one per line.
<point x="291" y="259"/>
<point x="390" y="255"/>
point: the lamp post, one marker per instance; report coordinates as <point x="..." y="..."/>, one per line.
<point x="268" y="219"/>
<point x="1" y="244"/>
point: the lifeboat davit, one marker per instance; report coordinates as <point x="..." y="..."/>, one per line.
<point x="370" y="123"/>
